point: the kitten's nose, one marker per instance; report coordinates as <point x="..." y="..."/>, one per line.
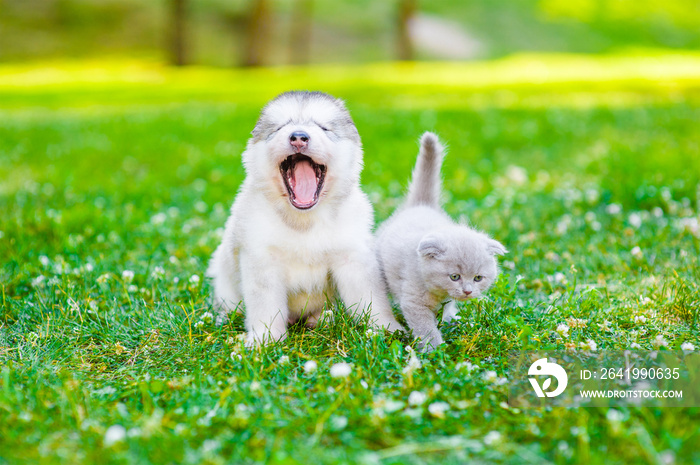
<point x="299" y="140"/>
<point x="467" y="293"/>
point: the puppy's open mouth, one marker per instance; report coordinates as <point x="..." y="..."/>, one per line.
<point x="303" y="179"/>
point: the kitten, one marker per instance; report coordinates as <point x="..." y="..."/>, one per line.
<point x="426" y="258"/>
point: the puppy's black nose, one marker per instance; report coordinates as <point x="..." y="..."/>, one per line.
<point x="299" y="140"/>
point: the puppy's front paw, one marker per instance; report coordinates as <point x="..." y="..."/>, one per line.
<point x="255" y="339"/>
<point x="390" y="325"/>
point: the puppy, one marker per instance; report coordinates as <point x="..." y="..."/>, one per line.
<point x="300" y="227"/>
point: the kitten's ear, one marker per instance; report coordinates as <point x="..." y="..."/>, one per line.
<point x="431" y="246"/>
<point x="494" y="247"/>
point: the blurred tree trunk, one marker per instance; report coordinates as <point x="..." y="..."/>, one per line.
<point x="178" y="14"/>
<point x="300" y="32"/>
<point x="407" y="10"/>
<point x="258" y="32"/>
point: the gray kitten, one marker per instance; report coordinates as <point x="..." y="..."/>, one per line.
<point x="426" y="258"/>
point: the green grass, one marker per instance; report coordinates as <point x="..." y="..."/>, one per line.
<point x="586" y="168"/>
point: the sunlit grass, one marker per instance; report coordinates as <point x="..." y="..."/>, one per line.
<point x="523" y="80"/>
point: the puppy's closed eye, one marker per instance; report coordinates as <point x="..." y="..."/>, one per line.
<point x="323" y="126"/>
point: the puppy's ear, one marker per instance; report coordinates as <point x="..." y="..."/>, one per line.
<point x="495" y="248"/>
<point x="431" y="246"/>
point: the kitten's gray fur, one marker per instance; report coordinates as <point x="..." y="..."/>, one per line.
<point x="421" y="250"/>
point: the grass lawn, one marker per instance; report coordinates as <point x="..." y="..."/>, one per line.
<point x="115" y="181"/>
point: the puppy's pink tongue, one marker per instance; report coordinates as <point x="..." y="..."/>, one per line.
<point x="304" y="182"/>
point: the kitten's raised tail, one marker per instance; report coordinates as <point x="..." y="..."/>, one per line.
<point x="426" y="183"/>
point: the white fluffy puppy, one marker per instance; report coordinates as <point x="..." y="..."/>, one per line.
<point x="300" y="226"/>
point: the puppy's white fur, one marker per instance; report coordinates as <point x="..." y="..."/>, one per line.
<point x="283" y="263"/>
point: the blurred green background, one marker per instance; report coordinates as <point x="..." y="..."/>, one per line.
<point x="270" y="32"/>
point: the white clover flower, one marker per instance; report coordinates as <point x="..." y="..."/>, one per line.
<point x="563" y="330"/>
<point x="613" y="209"/>
<point x="103" y="278"/>
<point x="492" y="437"/>
<point x="327" y="316"/>
<point x="634" y="345"/>
<point x="114" y="434"/>
<point x="614" y="416"/>
<point x="207" y="317"/>
<point x="589" y="344"/>
<point x="466" y="365"/>
<point x="310" y="366"/>
<point x="89" y="267"/>
<point x="158" y="272"/>
<point x="644" y="300"/>
<point x="199" y="324"/>
<point x="637" y="252"/>
<point x="493" y="378"/>
<point x="159" y="218"/>
<point x="255" y="386"/>
<point x="576" y="322"/>
<point x="692" y="225"/>
<point x="382" y="406"/>
<point x="235" y="355"/>
<point x="341" y="370"/>
<point x="127" y="275"/>
<point x="194" y="279"/>
<point x="667" y="457"/>
<point x="417" y="398"/>
<point x="283" y="360"/>
<point x="438" y="409"/>
<point x="635" y="219"/>
<point x="44" y="260"/>
<point x="687" y="346"/>
<point x="563" y="225"/>
<point x="605" y="326"/>
<point x="413" y="364"/>
<point x="38" y="281"/>
<point x="132" y="288"/>
<point x="517" y="174"/>
<point x="364" y="384"/>
<point x="640" y="319"/>
<point x="660" y="341"/>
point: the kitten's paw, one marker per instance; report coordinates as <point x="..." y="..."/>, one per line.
<point x="451" y="321"/>
<point x="391" y="326"/>
<point x="429" y="343"/>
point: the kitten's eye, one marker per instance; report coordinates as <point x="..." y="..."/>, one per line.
<point x="478" y="278"/>
<point x="455" y="277"/>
